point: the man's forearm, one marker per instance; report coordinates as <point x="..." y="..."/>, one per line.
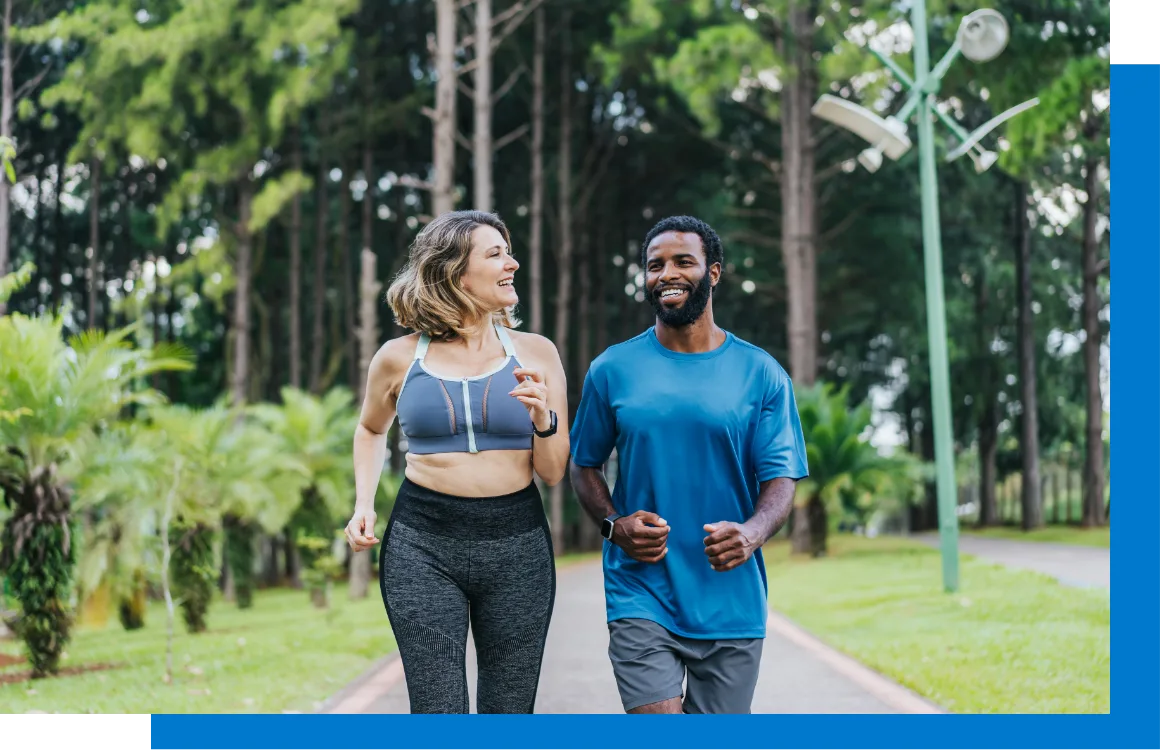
<point x="773" y="507"/>
<point x="592" y="489"/>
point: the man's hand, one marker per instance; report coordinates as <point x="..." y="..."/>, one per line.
<point x="729" y="544"/>
<point x="643" y="535"/>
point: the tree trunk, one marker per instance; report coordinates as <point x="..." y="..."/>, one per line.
<point x="1032" y="499"/>
<point x="797" y="210"/>
<point x="171" y="377"/>
<point x="443" y="198"/>
<point x="6" y="106"/>
<point x="584" y="304"/>
<point x="155" y="304"/>
<point x="988" y="409"/>
<point x="270" y="561"/>
<point x="293" y="561"/>
<point x="317" y="338"/>
<point x="1067" y="491"/>
<point x="1093" y="479"/>
<point x="360" y="562"/>
<point x="296" y="273"/>
<point x="600" y="295"/>
<point x="56" y="290"/>
<point x="94" y="240"/>
<point x="368" y="285"/>
<point x="798" y="193"/>
<point x="482" y="141"/>
<point x="348" y="290"/>
<point x="564" y="258"/>
<point x="368" y="307"/>
<point x="1057" y="497"/>
<point x="535" y="243"/>
<point x="242" y="293"/>
<point x="818" y="526"/>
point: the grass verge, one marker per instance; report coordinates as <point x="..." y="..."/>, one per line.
<point x="1097" y="537"/>
<point x="283" y="654"/>
<point x="1007" y="642"/>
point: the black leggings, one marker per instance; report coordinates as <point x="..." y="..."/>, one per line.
<point x="446" y="558"/>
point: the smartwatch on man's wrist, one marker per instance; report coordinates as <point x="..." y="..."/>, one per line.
<point x="608" y="525"/>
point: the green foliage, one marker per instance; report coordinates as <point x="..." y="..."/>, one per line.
<point x="321" y="567"/>
<point x="193" y="571"/>
<point x="65" y="391"/>
<point x="231" y="74"/>
<point x="131" y="608"/>
<point x="239" y="550"/>
<point x="274" y="195"/>
<point x="13" y="282"/>
<point x="36" y="557"/>
<point x="849" y="480"/>
<point x="728" y="59"/>
<point x="7" y="156"/>
<point x="315" y="433"/>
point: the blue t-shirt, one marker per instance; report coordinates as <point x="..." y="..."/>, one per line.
<point x="694" y="436"/>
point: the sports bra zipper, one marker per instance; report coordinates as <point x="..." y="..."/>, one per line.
<point x="467" y="417"/>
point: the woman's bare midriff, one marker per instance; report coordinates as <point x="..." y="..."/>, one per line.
<point x="484" y="474"/>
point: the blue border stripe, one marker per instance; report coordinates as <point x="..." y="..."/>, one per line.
<point x="1135" y="451"/>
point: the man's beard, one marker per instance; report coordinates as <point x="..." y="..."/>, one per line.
<point x="690" y="312"/>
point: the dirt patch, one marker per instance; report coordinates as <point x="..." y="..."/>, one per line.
<point x="17" y="677"/>
<point x="8" y="661"/>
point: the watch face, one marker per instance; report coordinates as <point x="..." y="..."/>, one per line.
<point x="606" y="528"/>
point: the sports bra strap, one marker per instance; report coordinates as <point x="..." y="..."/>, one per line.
<point x="506" y="340"/>
<point x="421" y="349"/>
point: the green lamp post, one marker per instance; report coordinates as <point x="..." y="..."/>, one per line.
<point x="982" y="35"/>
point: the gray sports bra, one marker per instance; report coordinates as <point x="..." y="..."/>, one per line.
<point x="454" y="415"/>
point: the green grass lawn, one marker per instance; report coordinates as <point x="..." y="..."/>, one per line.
<point x="1007" y="642"/>
<point x="1098" y="537"/>
<point x="283" y="654"/>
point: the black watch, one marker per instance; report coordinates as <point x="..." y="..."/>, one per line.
<point x="607" y="526"/>
<point x="548" y="432"/>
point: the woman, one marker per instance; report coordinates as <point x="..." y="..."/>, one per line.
<point x="481" y="407"/>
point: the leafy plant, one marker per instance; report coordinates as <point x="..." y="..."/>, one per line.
<point x="848" y="479"/>
<point x="65" y="391"/>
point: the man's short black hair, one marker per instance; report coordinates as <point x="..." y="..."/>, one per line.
<point x="710" y="242"/>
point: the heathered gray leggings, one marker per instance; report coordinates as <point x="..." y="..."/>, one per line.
<point x="446" y="559"/>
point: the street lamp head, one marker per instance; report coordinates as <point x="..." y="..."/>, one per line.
<point x="983" y="35"/>
<point x="983" y="160"/>
<point x="871" y="159"/>
<point x="886" y="135"/>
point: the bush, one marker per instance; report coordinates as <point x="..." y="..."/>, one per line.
<point x="240" y="558"/>
<point x="40" y="577"/>
<point x="132" y="607"/>
<point x="192" y="567"/>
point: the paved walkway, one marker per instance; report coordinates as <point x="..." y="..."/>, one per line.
<point x="1071" y="565"/>
<point x="798" y="673"/>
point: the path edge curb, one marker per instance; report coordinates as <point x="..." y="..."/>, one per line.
<point x="898" y="697"/>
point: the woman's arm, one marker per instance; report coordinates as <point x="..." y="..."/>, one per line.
<point x="384" y="376"/>
<point x="550" y="454"/>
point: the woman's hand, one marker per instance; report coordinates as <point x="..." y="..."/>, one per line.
<point x="533" y="393"/>
<point x="360" y="532"/>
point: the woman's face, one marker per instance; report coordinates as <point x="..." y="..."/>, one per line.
<point x="491" y="270"/>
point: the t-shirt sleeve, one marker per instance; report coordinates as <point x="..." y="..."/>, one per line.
<point x="593" y="434"/>
<point x="780" y="448"/>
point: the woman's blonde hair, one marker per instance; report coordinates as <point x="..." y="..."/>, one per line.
<point x="426" y="295"/>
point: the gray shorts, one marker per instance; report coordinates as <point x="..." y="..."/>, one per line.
<point x="651" y="664"/>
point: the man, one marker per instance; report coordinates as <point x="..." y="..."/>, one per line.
<point x="709" y="446"/>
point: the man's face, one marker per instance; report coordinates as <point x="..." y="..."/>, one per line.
<point x="678" y="281"/>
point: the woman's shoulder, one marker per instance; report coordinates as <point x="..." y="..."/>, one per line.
<point x="533" y="344"/>
<point x="395" y="356"/>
